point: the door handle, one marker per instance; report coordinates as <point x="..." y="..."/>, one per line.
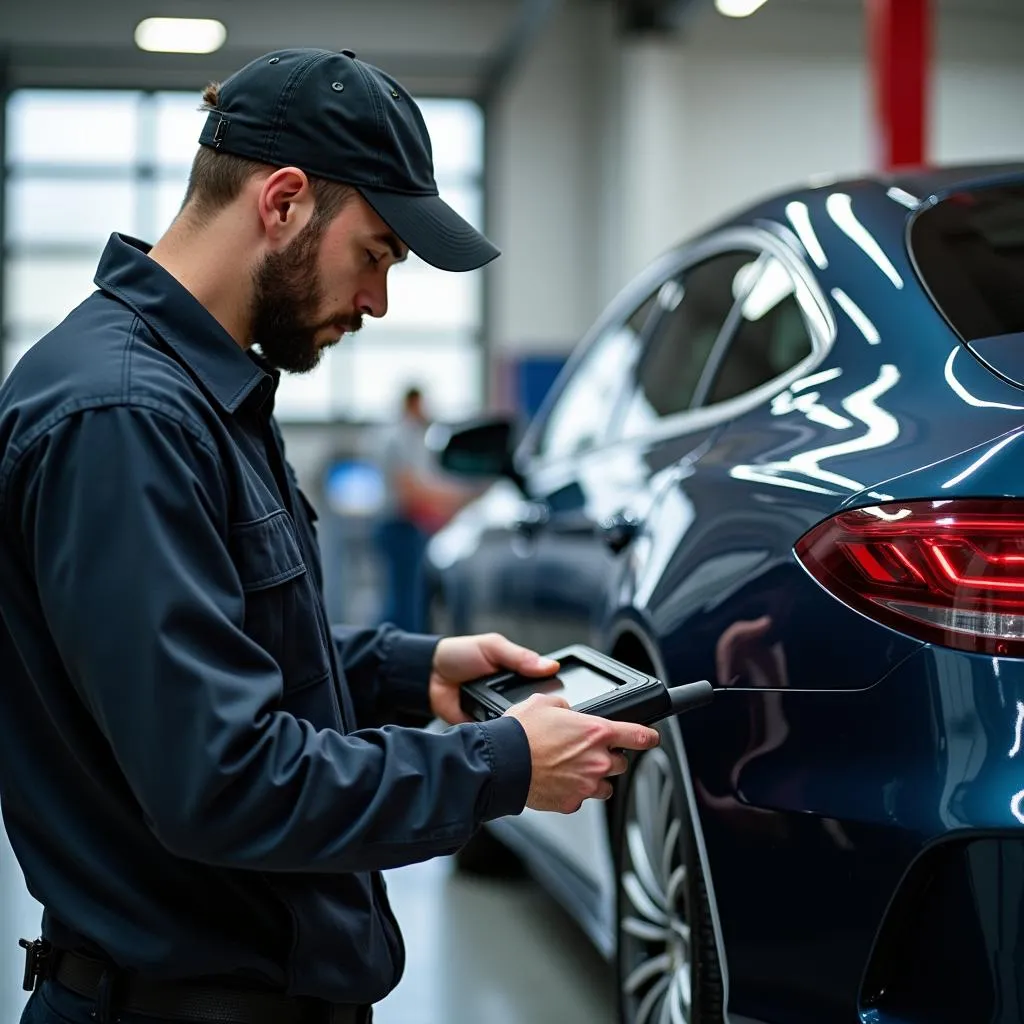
<point x="619" y="529"/>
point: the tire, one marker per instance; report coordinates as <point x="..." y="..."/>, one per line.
<point x="667" y="959"/>
<point x="485" y="856"/>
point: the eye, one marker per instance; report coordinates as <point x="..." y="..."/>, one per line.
<point x="373" y="260"/>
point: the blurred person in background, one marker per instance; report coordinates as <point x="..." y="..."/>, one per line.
<point x="202" y="779"/>
<point x="417" y="502"/>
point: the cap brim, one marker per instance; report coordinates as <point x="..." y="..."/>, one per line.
<point x="432" y="230"/>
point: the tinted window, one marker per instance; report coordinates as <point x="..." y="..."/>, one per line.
<point x="582" y="411"/>
<point x="970" y="253"/>
<point x="694" y="308"/>
<point x="771" y="338"/>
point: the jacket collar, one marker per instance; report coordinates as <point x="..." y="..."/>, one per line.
<point x="227" y="373"/>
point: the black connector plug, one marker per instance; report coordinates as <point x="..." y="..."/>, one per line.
<point x="690" y="696"/>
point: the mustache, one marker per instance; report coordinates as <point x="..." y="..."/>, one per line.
<point x="345" y="324"/>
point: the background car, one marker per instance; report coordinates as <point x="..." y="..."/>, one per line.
<point x="788" y="459"/>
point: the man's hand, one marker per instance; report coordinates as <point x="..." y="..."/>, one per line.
<point x="574" y="754"/>
<point x="461" y="659"/>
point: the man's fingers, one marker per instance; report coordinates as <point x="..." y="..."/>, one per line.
<point x="503" y="652"/>
<point x="546" y="699"/>
<point x="620" y="765"/>
<point x="629" y="736"/>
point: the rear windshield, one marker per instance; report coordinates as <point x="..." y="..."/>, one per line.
<point x="969" y="250"/>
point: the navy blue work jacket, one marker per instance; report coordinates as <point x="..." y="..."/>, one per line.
<point x="197" y="773"/>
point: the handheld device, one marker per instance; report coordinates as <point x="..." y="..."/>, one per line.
<point x="592" y="683"/>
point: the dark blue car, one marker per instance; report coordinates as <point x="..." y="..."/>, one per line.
<point x="789" y="459"/>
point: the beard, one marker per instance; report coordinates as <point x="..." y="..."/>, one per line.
<point x="286" y="298"/>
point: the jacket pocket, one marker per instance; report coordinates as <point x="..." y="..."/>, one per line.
<point x="281" y="613"/>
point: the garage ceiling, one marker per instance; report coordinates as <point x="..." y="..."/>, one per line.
<point x="440" y="44"/>
<point x="436" y="47"/>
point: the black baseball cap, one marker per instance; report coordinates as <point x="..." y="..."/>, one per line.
<point x="337" y="117"/>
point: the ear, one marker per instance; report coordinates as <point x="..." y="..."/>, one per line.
<point x="285" y="205"/>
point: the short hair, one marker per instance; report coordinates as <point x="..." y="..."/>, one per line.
<point x="216" y="179"/>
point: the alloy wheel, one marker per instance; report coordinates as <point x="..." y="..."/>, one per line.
<point x="655" y="919"/>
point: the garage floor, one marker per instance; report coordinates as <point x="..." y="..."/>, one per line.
<point x="499" y="952"/>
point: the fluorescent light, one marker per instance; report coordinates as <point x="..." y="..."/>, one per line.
<point x="180" y="35"/>
<point x="738" y="8"/>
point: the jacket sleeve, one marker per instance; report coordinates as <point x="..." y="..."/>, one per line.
<point x="388" y="673"/>
<point x="125" y="522"/>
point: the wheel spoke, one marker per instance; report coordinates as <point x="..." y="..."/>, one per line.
<point x="653" y="778"/>
<point x="675" y="998"/>
<point x="647" y="970"/>
<point x="646" y="930"/>
<point x="670" y="851"/>
<point x="664" y="812"/>
<point x="685" y="983"/>
<point x="682" y="929"/>
<point x="665" y="1017"/>
<point x="644" y="1010"/>
<point x="641" y="901"/>
<point x="675" y="885"/>
<point x="640" y="855"/>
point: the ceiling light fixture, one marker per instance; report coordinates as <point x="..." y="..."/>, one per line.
<point x="180" y="35"/>
<point x="738" y="8"/>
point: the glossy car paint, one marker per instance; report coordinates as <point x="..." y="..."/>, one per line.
<point x="840" y="755"/>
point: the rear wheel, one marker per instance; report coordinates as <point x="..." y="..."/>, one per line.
<point x="667" y="959"/>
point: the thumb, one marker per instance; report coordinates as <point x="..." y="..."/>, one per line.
<point x="502" y="652"/>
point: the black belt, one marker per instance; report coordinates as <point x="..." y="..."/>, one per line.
<point x="197" y="1001"/>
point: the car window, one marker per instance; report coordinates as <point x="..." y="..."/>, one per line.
<point x="969" y="250"/>
<point x="770" y="338"/>
<point x="581" y="413"/>
<point x="693" y="309"/>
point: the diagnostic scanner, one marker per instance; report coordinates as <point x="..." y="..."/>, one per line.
<point x="590" y="682"/>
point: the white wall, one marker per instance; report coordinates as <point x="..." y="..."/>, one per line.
<point x="543" y="185"/>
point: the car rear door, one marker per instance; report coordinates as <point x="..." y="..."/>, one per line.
<point x="590" y="503"/>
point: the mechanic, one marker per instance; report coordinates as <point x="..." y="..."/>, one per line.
<point x="201" y="779"/>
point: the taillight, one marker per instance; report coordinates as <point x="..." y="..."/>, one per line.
<point x="950" y="572"/>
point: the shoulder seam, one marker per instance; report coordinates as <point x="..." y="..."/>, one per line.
<point x="15" y="454"/>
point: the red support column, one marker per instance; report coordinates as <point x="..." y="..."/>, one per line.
<point x="899" y="36"/>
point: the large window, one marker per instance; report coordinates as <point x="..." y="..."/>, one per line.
<point x="694" y="308"/>
<point x="969" y="250"/>
<point x="82" y="164"/>
<point x="770" y="338"/>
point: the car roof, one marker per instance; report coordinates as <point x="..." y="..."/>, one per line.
<point x="919" y="183"/>
<point x="922" y="182"/>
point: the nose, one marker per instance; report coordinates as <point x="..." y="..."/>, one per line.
<point x="373" y="299"/>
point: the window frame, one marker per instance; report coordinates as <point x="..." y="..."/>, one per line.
<point x="815" y="308"/>
<point x="621" y="409"/>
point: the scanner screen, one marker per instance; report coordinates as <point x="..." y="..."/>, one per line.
<point x="576" y="684"/>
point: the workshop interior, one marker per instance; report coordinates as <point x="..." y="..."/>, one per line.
<point x="735" y="422"/>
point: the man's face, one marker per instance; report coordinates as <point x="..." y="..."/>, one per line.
<point x="310" y="294"/>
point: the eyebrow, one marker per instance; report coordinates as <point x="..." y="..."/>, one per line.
<point x="390" y="239"/>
